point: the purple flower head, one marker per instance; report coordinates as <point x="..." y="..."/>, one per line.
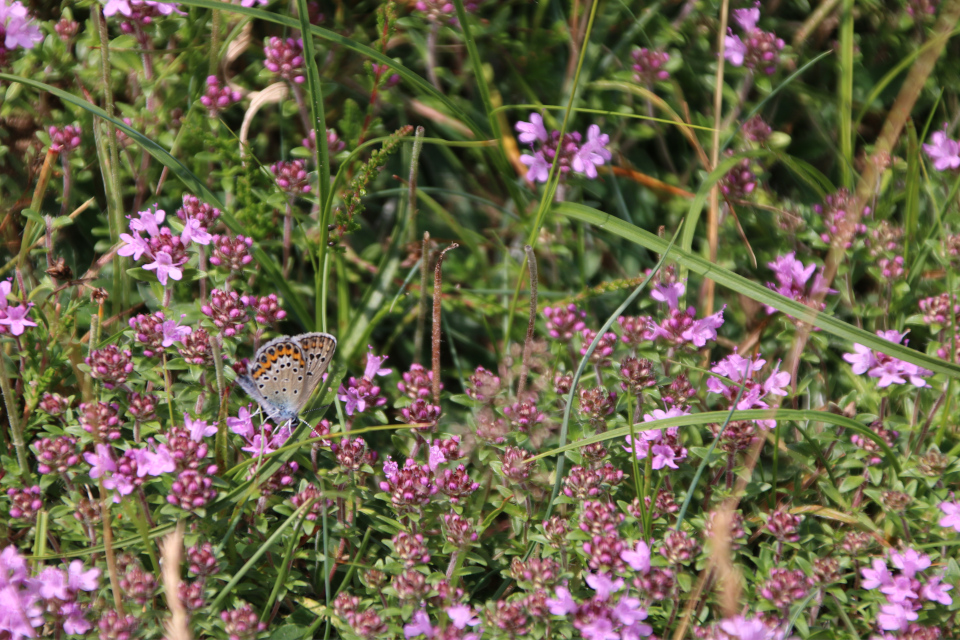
<point x="285" y="58"/>
<point x="792" y="277"/>
<point x="242" y="425"/>
<point x="564" y="322"/>
<point x="291" y="176"/>
<point x="216" y="98"/>
<point x="568" y="153"/>
<point x="944" y="152"/>
<point x="740" y="370"/>
<point x="64" y="139"/>
<point x="648" y="65"/>
<point x="680" y="327"/>
<point x="155" y="463"/>
<point x="194" y="231"/>
<point x="759" y="49"/>
<point x="360" y="395"/>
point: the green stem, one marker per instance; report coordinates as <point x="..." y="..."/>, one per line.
<point x="13" y="415"/>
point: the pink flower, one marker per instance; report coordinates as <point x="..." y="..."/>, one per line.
<point x="419" y="626"/>
<point x="734" y="50"/>
<point x="894" y="617"/>
<point x="888" y="369"/>
<point x="664" y="456"/>
<point x="741" y="628"/>
<point x="199" y="429"/>
<point x="603" y="585"/>
<point x="52" y="583"/>
<point x="532" y="131"/>
<point x="944" y="152"/>
<point x="194" y="231"/>
<point x="133" y="245"/>
<point x="20" y="28"/>
<point x="80" y="580"/>
<point x="461" y="616"/>
<point x="878" y="576"/>
<point x="563" y="604"/>
<point x="638" y="558"/>
<point x="242" y="425"/>
<point x="937" y="592"/>
<point x="100" y="462"/>
<point x="148" y="222"/>
<point x="155" y="463"/>
<point x="539" y="169"/>
<point x="599" y="629"/>
<point x="899" y="590"/>
<point x="163" y="265"/>
<point x="173" y="332"/>
<point x="952" y="517"/>
<point x="16" y="318"/>
<point x="747" y="18"/>
<point x="593" y="153"/>
<point x="910" y="561"/>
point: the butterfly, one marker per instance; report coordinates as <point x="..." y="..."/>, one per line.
<point x="286" y="371"/>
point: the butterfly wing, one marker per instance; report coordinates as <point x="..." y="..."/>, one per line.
<point x="278" y="377"/>
<point x="317" y="349"/>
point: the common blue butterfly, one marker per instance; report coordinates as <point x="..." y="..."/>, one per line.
<point x="286" y="371"/>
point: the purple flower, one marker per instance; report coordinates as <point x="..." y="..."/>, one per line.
<point x="75" y="622"/>
<point x="532" y="131"/>
<point x="133" y="245"/>
<point x="19" y="27"/>
<point x="359" y="395"/>
<point x="888" y="369"/>
<point x="599" y="629"/>
<point x="593" y="153"/>
<point x="741" y="370"/>
<point x="664" y="456"/>
<point x="173" y="332"/>
<point x="603" y="585"/>
<point x="163" y="265"/>
<point x="937" y="592"/>
<point x="899" y="590"/>
<point x="80" y="580"/>
<point x="242" y="425"/>
<point x="539" y="169"/>
<point x="148" y="222"/>
<point x="100" y="462"/>
<point x="952" y="517"/>
<point x="878" y="576"/>
<point x="744" y="629"/>
<point x="734" y="50"/>
<point x="944" y="152"/>
<point x="194" y="231"/>
<point x="563" y="604"/>
<point x="792" y="277"/>
<point x="895" y="617"/>
<point x="679" y="327"/>
<point x="461" y="616"/>
<point x="910" y="561"/>
<point x="419" y="626"/>
<point x="16" y="318"/>
<point x="52" y="583"/>
<point x="638" y="558"/>
<point x="155" y="463"/>
<point x="199" y="429"/>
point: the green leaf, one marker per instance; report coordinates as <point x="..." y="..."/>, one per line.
<point x="850" y="483"/>
<point x="754" y="291"/>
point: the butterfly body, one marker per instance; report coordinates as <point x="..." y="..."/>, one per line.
<point x="286" y="371"/>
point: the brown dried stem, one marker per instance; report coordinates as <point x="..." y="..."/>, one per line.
<point x="171" y="550"/>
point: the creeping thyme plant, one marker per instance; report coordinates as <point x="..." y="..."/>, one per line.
<point x="646" y="316"/>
